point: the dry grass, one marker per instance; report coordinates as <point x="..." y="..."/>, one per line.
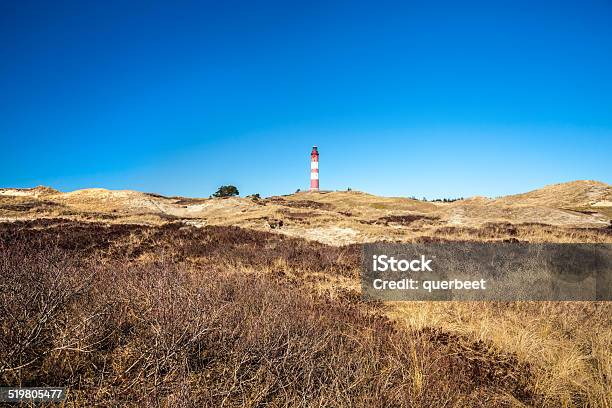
<point x="567" y="344"/>
<point x="580" y="193"/>
<point x="530" y="232"/>
<point x="175" y="316"/>
<point x="334" y="218"/>
<point x="170" y="315"/>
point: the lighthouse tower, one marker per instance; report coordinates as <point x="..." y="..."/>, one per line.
<point x="314" y="169"/>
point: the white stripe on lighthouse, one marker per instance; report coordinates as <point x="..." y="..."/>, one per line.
<point x="314" y="176"/>
<point x="314" y="165"/>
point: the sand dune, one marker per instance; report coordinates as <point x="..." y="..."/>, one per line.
<point x="331" y="217"/>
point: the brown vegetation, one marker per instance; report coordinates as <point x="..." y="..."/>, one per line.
<point x="404" y="219"/>
<point x="176" y="316"/>
<point x="335" y="218"/>
<point x="139" y="299"/>
<point x="301" y="203"/>
<point x="527" y="232"/>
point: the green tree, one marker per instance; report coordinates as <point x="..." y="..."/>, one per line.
<point x="226" y="191"/>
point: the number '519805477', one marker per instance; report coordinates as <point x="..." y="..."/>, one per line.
<point x="15" y="394"/>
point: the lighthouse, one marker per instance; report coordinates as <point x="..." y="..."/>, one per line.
<point x="314" y="169"/>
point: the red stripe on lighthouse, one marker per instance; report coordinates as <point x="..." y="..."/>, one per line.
<point x="314" y="169"/>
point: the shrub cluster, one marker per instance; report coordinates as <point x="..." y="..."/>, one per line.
<point x="119" y="328"/>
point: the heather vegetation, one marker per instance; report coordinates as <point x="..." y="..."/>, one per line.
<point x="222" y="316"/>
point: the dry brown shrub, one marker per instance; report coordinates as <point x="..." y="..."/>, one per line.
<point x="317" y="205"/>
<point x="187" y="327"/>
<point x="404" y="219"/>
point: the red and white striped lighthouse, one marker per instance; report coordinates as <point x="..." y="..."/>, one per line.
<point x="314" y="169"/>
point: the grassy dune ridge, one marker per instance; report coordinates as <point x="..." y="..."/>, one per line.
<point x="557" y="213"/>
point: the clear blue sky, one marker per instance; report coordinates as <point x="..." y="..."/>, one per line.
<point x="438" y="100"/>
